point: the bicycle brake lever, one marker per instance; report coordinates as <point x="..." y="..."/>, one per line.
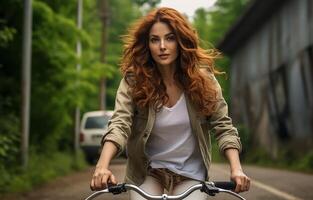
<point x="117" y="189"/>
<point x="209" y="189"/>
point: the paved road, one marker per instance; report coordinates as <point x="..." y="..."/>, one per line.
<point x="267" y="184"/>
<point x="71" y="187"/>
<point x="271" y="184"/>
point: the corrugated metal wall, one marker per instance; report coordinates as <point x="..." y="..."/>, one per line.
<point x="272" y="79"/>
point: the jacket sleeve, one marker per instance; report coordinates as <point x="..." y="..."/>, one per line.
<point x="119" y="126"/>
<point x="221" y="124"/>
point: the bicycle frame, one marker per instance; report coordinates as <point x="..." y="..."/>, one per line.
<point x="208" y="187"/>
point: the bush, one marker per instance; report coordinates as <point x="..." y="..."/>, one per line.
<point x="41" y="169"/>
<point x="286" y="159"/>
<point x="9" y="140"/>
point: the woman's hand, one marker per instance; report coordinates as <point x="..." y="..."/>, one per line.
<point x="242" y="181"/>
<point x="101" y="178"/>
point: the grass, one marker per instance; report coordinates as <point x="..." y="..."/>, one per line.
<point x="286" y="159"/>
<point x="41" y="169"/>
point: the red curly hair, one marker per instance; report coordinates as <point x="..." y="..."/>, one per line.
<point x="148" y="87"/>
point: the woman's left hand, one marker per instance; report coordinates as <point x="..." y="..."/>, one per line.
<point x="242" y="181"/>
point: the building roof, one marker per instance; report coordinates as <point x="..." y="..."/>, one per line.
<point x="252" y="19"/>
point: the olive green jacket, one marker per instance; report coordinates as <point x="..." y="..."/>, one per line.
<point x="130" y="127"/>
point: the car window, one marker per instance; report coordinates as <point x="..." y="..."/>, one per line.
<point x="96" y="122"/>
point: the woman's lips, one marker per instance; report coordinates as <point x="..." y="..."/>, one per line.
<point x="164" y="56"/>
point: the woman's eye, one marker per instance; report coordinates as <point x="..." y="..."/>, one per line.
<point x="154" y="40"/>
<point x="171" y="38"/>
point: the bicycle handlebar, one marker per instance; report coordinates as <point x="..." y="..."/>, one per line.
<point x="211" y="188"/>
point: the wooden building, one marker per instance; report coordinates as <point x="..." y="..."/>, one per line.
<point x="271" y="51"/>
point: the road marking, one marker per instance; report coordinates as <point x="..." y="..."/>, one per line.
<point x="274" y="190"/>
<point x="268" y="188"/>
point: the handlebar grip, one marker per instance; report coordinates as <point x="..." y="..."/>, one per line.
<point x="225" y="185"/>
<point x="117" y="189"/>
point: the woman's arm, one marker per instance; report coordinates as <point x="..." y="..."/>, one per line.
<point x="119" y="126"/>
<point x="237" y="175"/>
<point x="102" y="175"/>
<point x="115" y="137"/>
<point x="221" y="125"/>
<point x="228" y="140"/>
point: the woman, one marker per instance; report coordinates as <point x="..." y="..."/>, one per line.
<point x="166" y="106"/>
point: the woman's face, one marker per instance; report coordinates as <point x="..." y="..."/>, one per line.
<point x="163" y="44"/>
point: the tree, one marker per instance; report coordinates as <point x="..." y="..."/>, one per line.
<point x="54" y="88"/>
<point x="212" y="25"/>
<point x="150" y="3"/>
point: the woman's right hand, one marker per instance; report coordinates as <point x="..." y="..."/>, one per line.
<point x="101" y="178"/>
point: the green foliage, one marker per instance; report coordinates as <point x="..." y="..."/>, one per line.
<point x="306" y="162"/>
<point x="6" y="35"/>
<point x="246" y="140"/>
<point x="217" y="157"/>
<point x="219" y="19"/>
<point x="150" y="3"/>
<point x="121" y="15"/>
<point x="54" y="40"/>
<point x="9" y="140"/>
<point x="41" y="169"/>
<point x="57" y="87"/>
<point x="212" y="25"/>
<point x="286" y="159"/>
<point x="255" y="155"/>
<point x="202" y="23"/>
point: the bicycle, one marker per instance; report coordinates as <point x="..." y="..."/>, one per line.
<point x="210" y="188"/>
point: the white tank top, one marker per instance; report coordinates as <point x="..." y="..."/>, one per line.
<point x="172" y="144"/>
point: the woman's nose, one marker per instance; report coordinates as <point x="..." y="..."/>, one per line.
<point x="162" y="45"/>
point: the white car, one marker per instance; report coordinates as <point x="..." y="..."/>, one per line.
<point x="93" y="125"/>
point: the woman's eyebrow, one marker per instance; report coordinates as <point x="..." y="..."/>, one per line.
<point x="168" y="34"/>
<point x="171" y="33"/>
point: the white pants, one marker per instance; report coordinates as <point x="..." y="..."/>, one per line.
<point x="153" y="187"/>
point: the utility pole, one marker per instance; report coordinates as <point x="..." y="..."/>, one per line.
<point x="26" y="80"/>
<point x="78" y="68"/>
<point x="104" y="16"/>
